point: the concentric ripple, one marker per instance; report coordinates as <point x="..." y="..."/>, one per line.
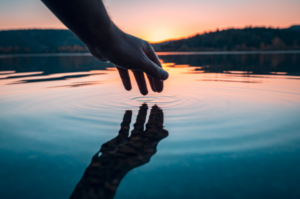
<point x="157" y="99"/>
<point x="93" y="104"/>
<point x="206" y="115"/>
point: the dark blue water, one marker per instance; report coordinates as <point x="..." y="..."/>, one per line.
<point x="225" y="126"/>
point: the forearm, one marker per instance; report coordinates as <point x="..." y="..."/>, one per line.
<point x="87" y="19"/>
<point x="101" y="179"/>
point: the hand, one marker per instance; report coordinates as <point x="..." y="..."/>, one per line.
<point x="89" y="21"/>
<point x="121" y="154"/>
<point x="140" y="146"/>
<point x="129" y="52"/>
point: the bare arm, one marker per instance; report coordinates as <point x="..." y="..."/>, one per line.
<point x="89" y="20"/>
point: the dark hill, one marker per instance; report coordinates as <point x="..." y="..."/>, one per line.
<point x="64" y="41"/>
<point x="295" y="28"/>
<point x="239" y="39"/>
<point x="39" y="41"/>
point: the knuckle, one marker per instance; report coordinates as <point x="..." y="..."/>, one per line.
<point x="147" y="44"/>
<point x="147" y="47"/>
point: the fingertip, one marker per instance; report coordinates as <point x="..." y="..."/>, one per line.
<point x="128" y="88"/>
<point x="144" y="92"/>
<point x="164" y="74"/>
<point x="159" y="90"/>
<point x="159" y="85"/>
<point x="128" y="114"/>
<point x="155" y="106"/>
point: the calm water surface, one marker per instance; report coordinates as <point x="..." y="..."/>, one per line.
<point x="231" y="128"/>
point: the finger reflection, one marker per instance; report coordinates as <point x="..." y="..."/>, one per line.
<point x="122" y="154"/>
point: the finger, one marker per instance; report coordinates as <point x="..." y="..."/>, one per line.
<point x="154" y="70"/>
<point x="125" y="78"/>
<point x="151" y="82"/>
<point x="140" y="120"/>
<point x="156" y="119"/>
<point x="125" y="125"/>
<point x="159" y="85"/>
<point x="140" y="80"/>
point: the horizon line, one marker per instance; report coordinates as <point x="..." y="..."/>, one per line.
<point x="170" y="39"/>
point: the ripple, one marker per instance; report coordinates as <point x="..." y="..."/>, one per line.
<point x="210" y="112"/>
<point x="157" y="99"/>
<point x="144" y="99"/>
<point x="121" y="101"/>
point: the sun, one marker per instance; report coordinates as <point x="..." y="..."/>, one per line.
<point x="158" y="35"/>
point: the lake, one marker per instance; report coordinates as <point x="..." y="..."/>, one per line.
<point x="227" y="125"/>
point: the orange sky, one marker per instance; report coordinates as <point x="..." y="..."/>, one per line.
<point x="156" y="20"/>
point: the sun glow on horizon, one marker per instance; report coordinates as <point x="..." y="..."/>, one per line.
<point x="158" y="21"/>
<point x="158" y="35"/>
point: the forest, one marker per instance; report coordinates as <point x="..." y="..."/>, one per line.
<point x="247" y="39"/>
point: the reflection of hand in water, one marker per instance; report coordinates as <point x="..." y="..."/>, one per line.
<point x="121" y="154"/>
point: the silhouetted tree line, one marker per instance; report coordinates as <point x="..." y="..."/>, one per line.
<point x="238" y="40"/>
<point x="64" y="41"/>
<point x="40" y="41"/>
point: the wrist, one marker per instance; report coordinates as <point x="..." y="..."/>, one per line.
<point x="103" y="38"/>
<point x="98" y="32"/>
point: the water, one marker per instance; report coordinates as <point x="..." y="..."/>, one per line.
<point x="231" y="128"/>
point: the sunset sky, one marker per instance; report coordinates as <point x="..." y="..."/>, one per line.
<point x="157" y="20"/>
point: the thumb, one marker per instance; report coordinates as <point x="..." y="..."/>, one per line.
<point x="153" y="70"/>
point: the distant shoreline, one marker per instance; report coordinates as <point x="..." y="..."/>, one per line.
<point x="159" y="53"/>
<point x="230" y="52"/>
<point x="229" y="41"/>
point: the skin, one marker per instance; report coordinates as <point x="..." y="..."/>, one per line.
<point x="121" y="154"/>
<point x="89" y="21"/>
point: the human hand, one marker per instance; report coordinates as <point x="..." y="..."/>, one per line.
<point x="128" y="52"/>
<point x="121" y="154"/>
<point x="140" y="146"/>
<point x="89" y="21"/>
